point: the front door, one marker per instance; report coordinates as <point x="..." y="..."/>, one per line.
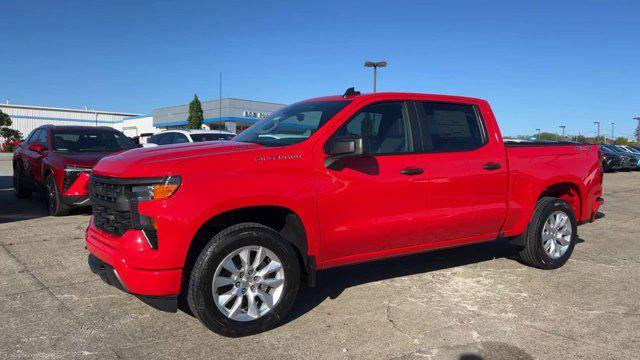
<point x="378" y="201"/>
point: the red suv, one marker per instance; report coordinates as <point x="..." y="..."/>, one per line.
<point x="58" y="159"/>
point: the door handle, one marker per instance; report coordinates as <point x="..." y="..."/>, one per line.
<point x="411" y="171"/>
<point x="491" y="166"/>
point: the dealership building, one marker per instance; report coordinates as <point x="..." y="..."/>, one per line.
<point x="233" y="115"/>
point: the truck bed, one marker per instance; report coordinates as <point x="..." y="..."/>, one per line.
<point x="535" y="166"/>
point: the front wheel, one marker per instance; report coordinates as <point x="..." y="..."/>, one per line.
<point x="551" y="235"/>
<point x="55" y="206"/>
<point x="244" y="281"/>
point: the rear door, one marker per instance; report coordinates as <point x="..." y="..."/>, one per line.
<point x="375" y="202"/>
<point x="466" y="171"/>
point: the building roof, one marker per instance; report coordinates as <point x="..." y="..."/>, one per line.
<point x="68" y="109"/>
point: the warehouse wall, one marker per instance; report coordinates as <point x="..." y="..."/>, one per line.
<point x="27" y="118"/>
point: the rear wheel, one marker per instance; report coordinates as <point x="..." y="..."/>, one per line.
<point x="55" y="206"/>
<point x="551" y="235"/>
<point x="244" y="281"/>
<point x="21" y="189"/>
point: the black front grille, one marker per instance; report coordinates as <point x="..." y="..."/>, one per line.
<point x="111" y="205"/>
<point x="111" y="220"/>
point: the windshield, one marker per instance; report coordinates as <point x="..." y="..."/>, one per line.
<point x="210" y="137"/>
<point x="292" y="124"/>
<point x="90" y="141"/>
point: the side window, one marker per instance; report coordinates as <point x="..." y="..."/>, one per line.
<point x="179" y="138"/>
<point x="383" y="127"/>
<point x="42" y="139"/>
<point x="153" y="139"/>
<point x="450" y="127"/>
<point x="33" y="138"/>
<point x="165" y="139"/>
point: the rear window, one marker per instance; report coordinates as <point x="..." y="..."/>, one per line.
<point x="90" y="141"/>
<point x="210" y="137"/>
<point x="450" y="127"/>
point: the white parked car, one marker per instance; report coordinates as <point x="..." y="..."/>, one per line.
<point x="187" y="136"/>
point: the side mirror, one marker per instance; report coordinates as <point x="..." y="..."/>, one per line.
<point x="37" y="148"/>
<point x="339" y="147"/>
<point x="344" y="146"/>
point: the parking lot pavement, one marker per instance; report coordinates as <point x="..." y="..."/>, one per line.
<point x="477" y="301"/>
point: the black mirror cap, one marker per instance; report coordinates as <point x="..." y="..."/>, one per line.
<point x="344" y="145"/>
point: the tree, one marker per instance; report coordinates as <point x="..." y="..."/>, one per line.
<point x="10" y="134"/>
<point x="621" y="141"/>
<point x="6" y="132"/>
<point x="580" y="139"/>
<point x="547" y="136"/>
<point x="195" y="114"/>
<point x="5" y="120"/>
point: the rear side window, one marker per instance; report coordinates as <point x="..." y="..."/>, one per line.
<point x="450" y="127"/>
<point x="165" y="139"/>
<point x="179" y="138"/>
<point x="153" y="139"/>
<point x="383" y="127"/>
<point x="210" y="137"/>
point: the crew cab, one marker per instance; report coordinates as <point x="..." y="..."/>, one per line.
<point x="58" y="160"/>
<point x="233" y="227"/>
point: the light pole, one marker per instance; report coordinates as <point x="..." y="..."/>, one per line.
<point x="612" y="124"/>
<point x="538" y="130"/>
<point x="637" y="129"/>
<point x="598" y="136"/>
<point x="562" y="127"/>
<point x="375" y="66"/>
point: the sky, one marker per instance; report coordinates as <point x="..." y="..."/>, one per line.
<point x="541" y="64"/>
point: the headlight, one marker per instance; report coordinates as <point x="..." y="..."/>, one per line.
<point x="156" y="191"/>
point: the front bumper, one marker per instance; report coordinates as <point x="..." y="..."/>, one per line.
<point x="109" y="275"/>
<point x="125" y="261"/>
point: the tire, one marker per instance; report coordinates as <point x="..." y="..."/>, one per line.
<point x="201" y="289"/>
<point x="534" y="252"/>
<point x="21" y="189"/>
<point x="55" y="206"/>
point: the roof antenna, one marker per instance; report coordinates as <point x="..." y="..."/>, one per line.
<point x="351" y="92"/>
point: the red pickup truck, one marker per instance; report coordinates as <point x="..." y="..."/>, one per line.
<point x="234" y="226"/>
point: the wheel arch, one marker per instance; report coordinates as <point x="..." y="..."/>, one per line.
<point x="567" y="190"/>
<point x="282" y="219"/>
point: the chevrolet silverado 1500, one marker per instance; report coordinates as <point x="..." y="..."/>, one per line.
<point x="234" y="226"/>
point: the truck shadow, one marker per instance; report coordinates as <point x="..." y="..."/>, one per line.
<point x="332" y="282"/>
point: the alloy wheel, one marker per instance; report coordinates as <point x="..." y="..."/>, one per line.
<point x="556" y="234"/>
<point x="248" y="283"/>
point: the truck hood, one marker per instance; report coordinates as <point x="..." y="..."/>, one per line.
<point x="162" y="160"/>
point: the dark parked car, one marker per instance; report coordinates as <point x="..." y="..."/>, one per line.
<point x="610" y="161"/>
<point x="634" y="159"/>
<point x="59" y="159"/>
